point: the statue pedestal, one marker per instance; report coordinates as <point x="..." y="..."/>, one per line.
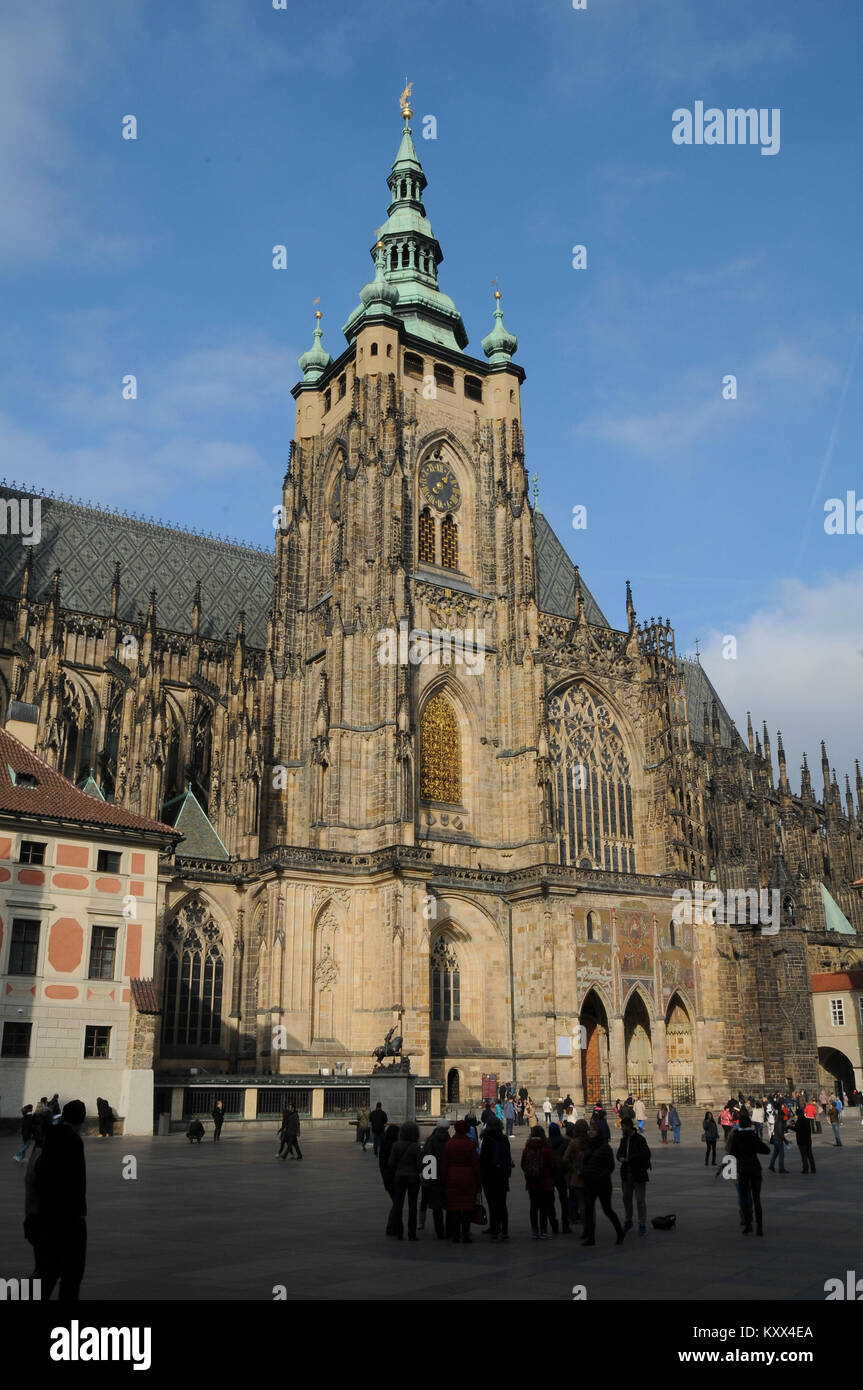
<point x="395" y="1093"/>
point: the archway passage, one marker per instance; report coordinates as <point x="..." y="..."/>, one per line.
<point x="678" y="1047"/>
<point x="639" y="1049"/>
<point x="839" y="1069"/>
<point x="595" y="1074"/>
<point x="453" y="1086"/>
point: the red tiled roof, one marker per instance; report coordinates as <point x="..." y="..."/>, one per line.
<point x="144" y="995"/>
<point x="57" y="797"/>
<point x="840" y="979"/>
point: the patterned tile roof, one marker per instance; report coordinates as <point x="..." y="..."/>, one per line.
<point x="83" y="542"/>
<point x="55" y="796"/>
<point x="555" y="575"/>
<point x="700" y="694"/>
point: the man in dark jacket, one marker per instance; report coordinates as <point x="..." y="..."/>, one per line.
<point x="745" y="1145"/>
<point x="432" y="1188"/>
<point x="28" y="1129"/>
<point x="218" y="1120"/>
<point x="495" y="1165"/>
<point x="56" y="1206"/>
<point x="195" y="1132"/>
<point x="559" y="1143"/>
<point x="778" y="1141"/>
<point x="378" y="1122"/>
<point x="538" y="1166"/>
<point x="406" y="1167"/>
<point x="803" y="1132"/>
<point x="290" y="1133"/>
<point x="596" y="1170"/>
<point x="633" y="1154"/>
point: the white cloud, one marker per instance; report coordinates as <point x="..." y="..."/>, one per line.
<point x="800" y="666"/>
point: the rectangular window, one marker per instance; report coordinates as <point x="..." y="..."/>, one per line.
<point x="97" y="1041"/>
<point x="108" y="861"/>
<point x="24" y="946"/>
<point x="103" y="953"/>
<point x="837" y="1013"/>
<point x="31" y="852"/>
<point x="16" y="1039"/>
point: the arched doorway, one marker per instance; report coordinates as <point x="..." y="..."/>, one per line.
<point x="678" y="1048"/>
<point x="596" y="1076"/>
<point x="836" y="1072"/>
<point x="453" y="1087"/>
<point x="639" y="1049"/>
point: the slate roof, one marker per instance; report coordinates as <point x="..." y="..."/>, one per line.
<point x="555" y="575"/>
<point x="700" y="694"/>
<point x="83" y="542"/>
<point x="200" y="839"/>
<point x="55" y="796"/>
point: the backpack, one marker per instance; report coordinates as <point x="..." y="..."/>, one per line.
<point x="501" y="1156"/>
<point x="531" y="1162"/>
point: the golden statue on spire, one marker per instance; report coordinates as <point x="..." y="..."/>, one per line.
<point x="404" y="99"/>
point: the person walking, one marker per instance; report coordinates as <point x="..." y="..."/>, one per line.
<point x="406" y="1166"/>
<point x="803" y="1131"/>
<point x="391" y="1134"/>
<point x="777" y="1141"/>
<point x="745" y="1145"/>
<point x="640" y="1110"/>
<point x="557" y="1142"/>
<point x="633" y="1155"/>
<point x="509" y="1117"/>
<point x="377" y="1123"/>
<point x="833" y="1115"/>
<point x="529" y="1113"/>
<point x="462" y="1178"/>
<point x="27" y="1133"/>
<point x="218" y="1117"/>
<point x="710" y="1134"/>
<point x="674" y="1121"/>
<point x="810" y="1110"/>
<point x="195" y="1132"/>
<point x="572" y="1166"/>
<point x="726" y="1119"/>
<point x="546" y="1111"/>
<point x="495" y="1165"/>
<point x="560" y="1107"/>
<point x="757" y="1113"/>
<point x="55" y="1221"/>
<point x="662" y="1121"/>
<point x="290" y="1133"/>
<point x="596" y="1170"/>
<point x="432" y="1186"/>
<point x="538" y="1164"/>
<point x="364" y="1124"/>
<point x="601" y="1119"/>
<point x="106" y="1118"/>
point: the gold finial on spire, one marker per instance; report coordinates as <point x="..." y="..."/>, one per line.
<point x="404" y="99"/>
<point x="318" y="313"/>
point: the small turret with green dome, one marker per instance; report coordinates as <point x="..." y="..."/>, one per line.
<point x="315" y="360"/>
<point x="499" y="345"/>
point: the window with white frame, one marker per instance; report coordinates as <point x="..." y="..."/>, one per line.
<point x="837" y="1013"/>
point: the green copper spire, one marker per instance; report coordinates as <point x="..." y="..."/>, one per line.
<point x="315" y="361"/>
<point x="407" y="256"/>
<point x="379" y="295"/>
<point x="499" y="346"/>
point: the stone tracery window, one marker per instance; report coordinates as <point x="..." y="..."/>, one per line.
<point x="440" y="752"/>
<point x="426" y="537"/>
<point x="449" y="544"/>
<point x="592" y="786"/>
<point x="446" y="982"/>
<point x="194" y="977"/>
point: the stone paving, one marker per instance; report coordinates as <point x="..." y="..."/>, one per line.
<point x="227" y="1221"/>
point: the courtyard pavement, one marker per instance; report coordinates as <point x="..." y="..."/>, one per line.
<point x="227" y="1221"/>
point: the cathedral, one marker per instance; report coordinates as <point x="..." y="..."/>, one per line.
<point x="420" y="777"/>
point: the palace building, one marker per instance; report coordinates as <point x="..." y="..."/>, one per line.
<point x="488" y="846"/>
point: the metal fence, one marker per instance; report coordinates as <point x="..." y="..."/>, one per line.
<point x="272" y="1100"/>
<point x="422" y="1100"/>
<point x="200" y="1100"/>
<point x="640" y="1086"/>
<point x="344" y="1100"/>
<point x="682" y="1090"/>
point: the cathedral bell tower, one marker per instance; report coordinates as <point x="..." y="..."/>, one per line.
<point x="401" y="680"/>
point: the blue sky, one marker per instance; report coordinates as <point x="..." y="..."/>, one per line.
<point x="258" y="127"/>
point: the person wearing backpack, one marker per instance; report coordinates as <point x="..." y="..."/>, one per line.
<point x="596" y="1170"/>
<point x="634" y="1157"/>
<point x="538" y="1164"/>
<point x="495" y="1165"/>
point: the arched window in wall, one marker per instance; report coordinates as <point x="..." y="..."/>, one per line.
<point x="426" y="537"/>
<point x="201" y="752"/>
<point x="592" y="787"/>
<point x="449" y="544"/>
<point x="194" y="977"/>
<point x="440" y="752"/>
<point x="77" y="750"/>
<point x="593" y="926"/>
<point x="111" y="748"/>
<point x="446" y="982"/>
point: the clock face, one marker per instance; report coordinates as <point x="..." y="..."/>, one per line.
<point x="438" y="486"/>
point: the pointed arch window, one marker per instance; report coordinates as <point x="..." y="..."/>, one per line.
<point x="592" y="783"/>
<point x="440" y="752"/>
<point x="426" y="537"/>
<point x="202" y="751"/>
<point x="194" y="978"/>
<point x="449" y="543"/>
<point x="446" y="982"/>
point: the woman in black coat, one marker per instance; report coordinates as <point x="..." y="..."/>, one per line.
<point x="495" y="1166"/>
<point x="391" y="1134"/>
<point x="106" y="1118"/>
<point x="709" y="1134"/>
